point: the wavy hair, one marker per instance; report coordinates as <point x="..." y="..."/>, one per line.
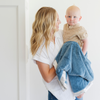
<point x="44" y="23"/>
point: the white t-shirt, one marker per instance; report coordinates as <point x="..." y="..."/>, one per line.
<point x="48" y="57"/>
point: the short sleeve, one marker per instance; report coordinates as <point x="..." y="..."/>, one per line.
<point x="41" y="56"/>
<point x="83" y="34"/>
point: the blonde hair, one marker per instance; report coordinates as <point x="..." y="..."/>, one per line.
<point x="44" y="23"/>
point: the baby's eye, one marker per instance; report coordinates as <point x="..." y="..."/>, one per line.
<point x="69" y="16"/>
<point x="74" y="16"/>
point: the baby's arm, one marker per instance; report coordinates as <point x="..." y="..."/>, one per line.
<point x="85" y="45"/>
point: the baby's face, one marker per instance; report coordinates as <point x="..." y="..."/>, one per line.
<point x="73" y="17"/>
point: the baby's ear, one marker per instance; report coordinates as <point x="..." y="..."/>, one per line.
<point x="80" y="18"/>
<point x="65" y="16"/>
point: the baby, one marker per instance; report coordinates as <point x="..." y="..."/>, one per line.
<point x="72" y="58"/>
<point x="72" y="30"/>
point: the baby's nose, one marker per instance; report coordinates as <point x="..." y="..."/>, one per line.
<point x="71" y="18"/>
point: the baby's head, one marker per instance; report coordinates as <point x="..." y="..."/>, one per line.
<point x="73" y="15"/>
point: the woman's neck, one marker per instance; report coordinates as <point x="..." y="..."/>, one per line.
<point x="52" y="39"/>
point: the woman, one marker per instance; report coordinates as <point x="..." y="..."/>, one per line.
<point x="46" y="42"/>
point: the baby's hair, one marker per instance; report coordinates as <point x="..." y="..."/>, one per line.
<point x="73" y="7"/>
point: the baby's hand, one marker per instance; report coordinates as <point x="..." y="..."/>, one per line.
<point x="80" y="96"/>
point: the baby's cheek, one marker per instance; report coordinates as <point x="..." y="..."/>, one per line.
<point x="67" y="20"/>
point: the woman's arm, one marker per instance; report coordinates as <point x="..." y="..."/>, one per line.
<point x="85" y="45"/>
<point x="47" y="73"/>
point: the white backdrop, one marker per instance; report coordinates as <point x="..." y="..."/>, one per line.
<point x="90" y="10"/>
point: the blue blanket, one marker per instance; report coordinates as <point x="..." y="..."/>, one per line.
<point x="72" y="62"/>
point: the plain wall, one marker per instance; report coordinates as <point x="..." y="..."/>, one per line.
<point x="90" y="10"/>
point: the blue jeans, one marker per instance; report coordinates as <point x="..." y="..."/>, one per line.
<point x="52" y="97"/>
